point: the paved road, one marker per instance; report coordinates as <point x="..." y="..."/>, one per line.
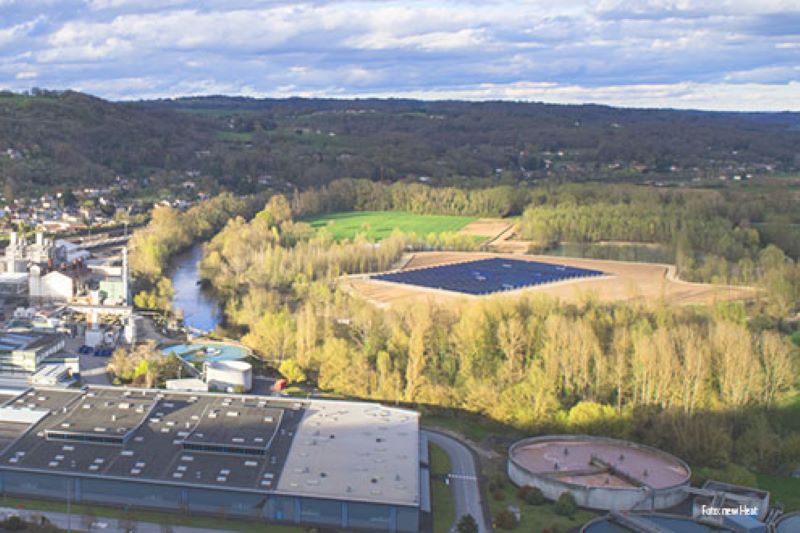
<point x="463" y="478"/>
<point x="100" y="525"/>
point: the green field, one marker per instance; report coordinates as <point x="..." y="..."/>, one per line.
<point x="782" y="489"/>
<point x="234" y="136"/>
<point x="441" y="496"/>
<point x="377" y="225"/>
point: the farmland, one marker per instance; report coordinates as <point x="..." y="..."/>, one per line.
<point x="376" y="225"/>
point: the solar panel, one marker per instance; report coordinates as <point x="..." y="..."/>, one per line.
<point x="486" y="276"/>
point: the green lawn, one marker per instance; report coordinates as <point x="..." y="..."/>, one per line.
<point x="782" y="489"/>
<point x="441" y="496"/>
<point x="536" y="518"/>
<point x="471" y="426"/>
<point x="379" y="224"/>
<point x="234" y="136"/>
<point x="150" y="516"/>
<point x="440" y="461"/>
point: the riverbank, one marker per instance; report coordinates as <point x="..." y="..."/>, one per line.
<point x="200" y="309"/>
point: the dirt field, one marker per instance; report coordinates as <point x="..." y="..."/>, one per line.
<point x="486" y="227"/>
<point x="625" y="281"/>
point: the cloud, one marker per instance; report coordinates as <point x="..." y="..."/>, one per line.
<point x="652" y="52"/>
<point x="12" y="33"/>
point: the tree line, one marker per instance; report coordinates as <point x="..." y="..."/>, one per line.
<point x="714" y="237"/>
<point x="274" y="252"/>
<point x="366" y="195"/>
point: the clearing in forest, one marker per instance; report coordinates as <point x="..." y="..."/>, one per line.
<point x="622" y="281"/>
<point x="377" y="225"/>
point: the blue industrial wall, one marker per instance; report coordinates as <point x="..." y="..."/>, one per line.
<point x="290" y="509"/>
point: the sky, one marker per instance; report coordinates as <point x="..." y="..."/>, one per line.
<point x="700" y="54"/>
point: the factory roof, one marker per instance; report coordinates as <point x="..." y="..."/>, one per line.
<point x="356" y="451"/>
<point x="325" y="449"/>
<point x="28" y="340"/>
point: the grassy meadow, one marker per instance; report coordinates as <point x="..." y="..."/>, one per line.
<point x="377" y="225"/>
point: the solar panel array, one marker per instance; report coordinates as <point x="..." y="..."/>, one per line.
<point x="486" y="276"/>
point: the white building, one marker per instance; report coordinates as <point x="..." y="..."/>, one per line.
<point x="52" y="287"/>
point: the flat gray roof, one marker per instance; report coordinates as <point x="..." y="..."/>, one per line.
<point x="328" y="449"/>
<point x="355" y="450"/>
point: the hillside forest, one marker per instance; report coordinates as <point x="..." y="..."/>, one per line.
<point x="67" y="140"/>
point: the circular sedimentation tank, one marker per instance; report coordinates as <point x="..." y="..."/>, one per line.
<point x="601" y="473"/>
<point x="634" y="523"/>
<point x="789" y="523"/>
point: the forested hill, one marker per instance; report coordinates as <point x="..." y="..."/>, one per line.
<point x="70" y="138"/>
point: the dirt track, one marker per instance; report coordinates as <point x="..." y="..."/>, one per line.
<point x="625" y="281"/>
<point x="486" y="227"/>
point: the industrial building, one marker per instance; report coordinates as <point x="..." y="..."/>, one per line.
<point x="24" y="353"/>
<point x="347" y="465"/>
<point x="601" y="473"/>
<point x="13" y="284"/>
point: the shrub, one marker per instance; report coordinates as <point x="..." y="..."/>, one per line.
<point x="566" y="505"/>
<point x="790" y="450"/>
<point x="498" y="494"/>
<point x="467" y="524"/>
<point x="13" y="523"/>
<point x="505" y="520"/>
<point x="732" y="473"/>
<point x="497" y="483"/>
<point x="535" y="497"/>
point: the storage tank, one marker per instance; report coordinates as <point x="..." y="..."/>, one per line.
<point x="788" y="523"/>
<point x="637" y="522"/>
<point x="226" y="375"/>
<point x="601" y="473"/>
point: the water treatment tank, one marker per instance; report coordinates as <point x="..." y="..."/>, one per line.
<point x="225" y="375"/>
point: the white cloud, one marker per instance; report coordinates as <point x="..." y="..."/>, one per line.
<point x="439" y="40"/>
<point x="10" y="34"/>
<point x="719" y="97"/>
<point x="26" y="75"/>
<point x="627" y="52"/>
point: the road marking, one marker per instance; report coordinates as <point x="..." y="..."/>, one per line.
<point x="462" y="476"/>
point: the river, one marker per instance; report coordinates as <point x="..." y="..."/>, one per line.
<point x="201" y="310"/>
